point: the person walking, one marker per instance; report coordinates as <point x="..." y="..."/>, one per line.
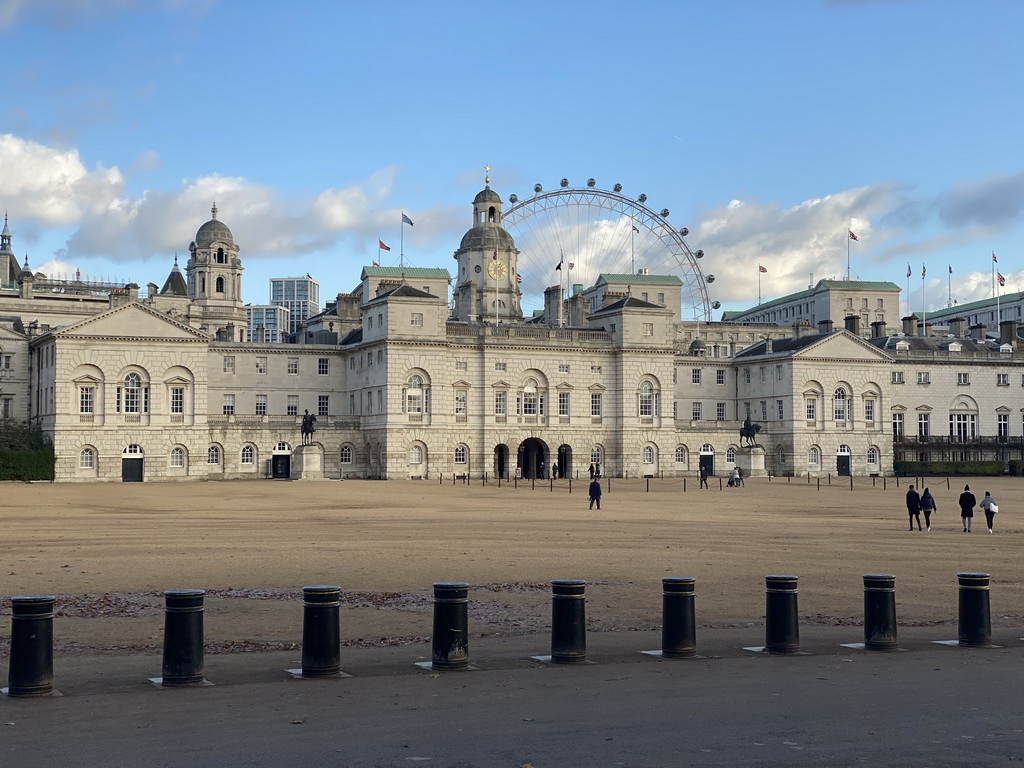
<point x="703" y="477"/>
<point x="914" y="507"/>
<point x="591" y="470"/>
<point x="928" y="506"/>
<point x="988" y="504"/>
<point x="967" y="502"/>
<point x="595" y="494"/>
<point x="739" y="477"/>
<point x="734" y="478"/>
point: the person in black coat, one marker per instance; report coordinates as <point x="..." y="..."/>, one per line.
<point x="967" y="502"/>
<point x="914" y="507"/>
<point x="595" y="494"/>
<point x="928" y="506"/>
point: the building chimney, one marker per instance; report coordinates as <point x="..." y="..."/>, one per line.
<point x="852" y="324"/>
<point x="979" y="332"/>
<point x="552" y="297"/>
<point x="1008" y="332"/>
<point x="878" y="329"/>
<point x="910" y="325"/>
<point x="800" y="328"/>
<point x="824" y="326"/>
<point x="956" y="326"/>
<point x="769" y="345"/>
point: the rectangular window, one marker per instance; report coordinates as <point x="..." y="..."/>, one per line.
<point x="695" y="376"/>
<point x="869" y="411"/>
<point x="746" y="375"/>
<point x="293" y="366"/>
<point x="924" y="377"/>
<point x="229" y="363"/>
<point x="261" y="365"/>
<point x="7" y="362"/>
<point x="1003" y="425"/>
<point x="778" y="373"/>
<point x="595" y="403"/>
<point x="261" y="405"/>
<point x="86" y="399"/>
<point x="229" y="405"/>
<point x="461" y="398"/>
<point x="963" y="379"/>
<point x="323" y="366"/>
<point x="595" y="369"/>
<point x="461" y="365"/>
<point x="696" y="411"/>
<point x="293" y="405"/>
<point x="897" y="425"/>
<point x="720" y="411"/>
<point x="764" y="374"/>
<point x="780" y="406"/>
<point x="323" y="405"/>
<point x="648" y="329"/>
<point x="500" y="403"/>
<point x="897" y="377"/>
<point x="661" y="298"/>
<point x="924" y="424"/>
<point x="7" y="408"/>
<point x="563" y="403"/>
<point x="416" y="319"/>
<point x="177" y="400"/>
<point x="720" y="376"/>
<point x="501" y="367"/>
<point x="811" y="407"/>
<point x="1002" y="379"/>
<point x="764" y="410"/>
<point x="563" y="368"/>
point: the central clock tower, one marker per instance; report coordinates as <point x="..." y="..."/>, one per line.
<point x="487" y="288"/>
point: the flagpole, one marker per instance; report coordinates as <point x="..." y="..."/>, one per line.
<point x="908" y="289"/>
<point x="924" y="304"/>
<point x="759" y="284"/>
<point x="949" y="287"/>
<point x="848" y="254"/>
<point x="401" y="243"/>
<point x="632" y="241"/>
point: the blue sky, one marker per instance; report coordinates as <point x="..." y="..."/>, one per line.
<point x="767" y="128"/>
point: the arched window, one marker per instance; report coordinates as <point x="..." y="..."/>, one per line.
<point x="680" y="454"/>
<point x="730" y="454"/>
<point x="416" y="454"/>
<point x="414" y="399"/>
<point x="596" y="455"/>
<point x="248" y="455"/>
<point x="707" y="448"/>
<point x="530" y="397"/>
<point x="213" y="455"/>
<point x="645" y="399"/>
<point x="872" y="455"/>
<point x="648" y="455"/>
<point x="220" y="285"/>
<point x="844" y="448"/>
<point x="87" y="459"/>
<point x="132" y="394"/>
<point x="346" y="454"/>
<point x="282" y="446"/>
<point x="839" y="403"/>
<point x="813" y="455"/>
<point x="460" y="454"/>
<point x="782" y="455"/>
<point x="177" y="456"/>
<point x="220" y="256"/>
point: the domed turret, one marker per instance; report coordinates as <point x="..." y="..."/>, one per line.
<point x="213" y="231"/>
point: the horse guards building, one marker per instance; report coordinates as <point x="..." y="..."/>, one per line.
<point x="420" y="374"/>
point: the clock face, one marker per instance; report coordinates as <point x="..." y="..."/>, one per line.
<point x="497" y="269"/>
<point x="476" y="268"/>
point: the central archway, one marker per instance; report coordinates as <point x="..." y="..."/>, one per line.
<point x="532" y="458"/>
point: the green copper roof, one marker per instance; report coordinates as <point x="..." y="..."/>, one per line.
<point x="407" y="271"/>
<point x="860" y="285"/>
<point x="641" y="279"/>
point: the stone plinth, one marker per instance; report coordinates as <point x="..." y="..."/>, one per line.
<point x="751" y="461"/>
<point x="308" y="463"/>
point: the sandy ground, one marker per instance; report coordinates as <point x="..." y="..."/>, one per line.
<point x="108" y="552"/>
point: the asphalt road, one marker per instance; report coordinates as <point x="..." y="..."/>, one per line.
<point x="926" y="705"/>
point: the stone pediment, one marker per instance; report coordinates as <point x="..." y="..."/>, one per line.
<point x="131" y="321"/>
<point x="461" y="384"/>
<point x="6" y="334"/>
<point x="843" y="346"/>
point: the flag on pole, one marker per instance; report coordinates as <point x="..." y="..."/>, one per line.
<point x="380" y="244"/>
<point x="909" y="270"/>
<point x="852" y="236"/>
<point x="572" y="264"/>
<point x="761" y="269"/>
<point x="495" y="256"/>
<point x="376" y="264"/>
<point x="519" y="278"/>
<point x="1001" y="279"/>
<point x="635" y="229"/>
<point x="558" y="267"/>
<point x="951" y="269"/>
<point x="994" y="259"/>
<point x="407" y="220"/>
<point x="924" y="271"/>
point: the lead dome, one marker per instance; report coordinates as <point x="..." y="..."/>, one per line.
<point x="214" y="231"/>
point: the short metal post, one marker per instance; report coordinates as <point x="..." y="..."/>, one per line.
<point x="782" y="626"/>
<point x="975" y="615"/>
<point x="678" y="622"/>
<point x="31" y="666"/>
<point x="568" y="621"/>
<point x="879" y="612"/>
<point x="183" y="637"/>
<point x="321" y="631"/>
<point x="451" y="625"/>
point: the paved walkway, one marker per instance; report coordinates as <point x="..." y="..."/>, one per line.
<point x="927" y="705"/>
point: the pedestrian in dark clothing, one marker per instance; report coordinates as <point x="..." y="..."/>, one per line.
<point x="914" y="507"/>
<point x="967" y="502"/>
<point x="591" y="471"/>
<point x="703" y="478"/>
<point x="928" y="506"/>
<point x="595" y="494"/>
<point x="989" y="505"/>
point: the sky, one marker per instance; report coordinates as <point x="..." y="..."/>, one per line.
<point x="769" y="129"/>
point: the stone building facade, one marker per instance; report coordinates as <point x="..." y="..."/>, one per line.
<point x="418" y="373"/>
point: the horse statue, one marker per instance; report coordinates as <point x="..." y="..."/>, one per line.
<point x="749" y="432"/>
<point x="308" y="428"/>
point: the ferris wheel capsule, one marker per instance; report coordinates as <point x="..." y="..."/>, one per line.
<point x="538" y="188"/>
<point x="564" y="183"/>
<point x="513" y="198"/>
<point x="684" y="231"/>
<point x="617" y="188"/>
<point x="664" y="212"/>
<point x="642" y="198"/>
<point x="591" y="182"/>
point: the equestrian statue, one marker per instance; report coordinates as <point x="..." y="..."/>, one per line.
<point x="749" y="432"/>
<point x="308" y="428"/>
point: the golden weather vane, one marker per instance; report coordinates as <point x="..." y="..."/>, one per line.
<point x="487" y="174"/>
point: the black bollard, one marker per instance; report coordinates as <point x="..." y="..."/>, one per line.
<point x="879" y="612"/>
<point x="678" y="622"/>
<point x="568" y="622"/>
<point x="782" y="626"/>
<point x="321" y="631"/>
<point x="451" y="626"/>
<point x="975" y="616"/>
<point x="183" y="638"/>
<point x="31" y="667"/>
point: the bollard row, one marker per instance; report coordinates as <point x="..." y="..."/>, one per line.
<point x="31" y="655"/>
